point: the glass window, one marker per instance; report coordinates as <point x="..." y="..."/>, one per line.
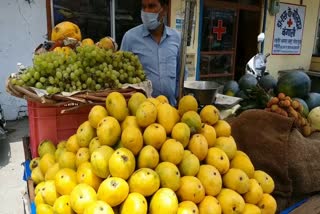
<point x="127" y="17"/>
<point x="215" y="64"/>
<point x="93" y="16"/>
<point x="218" y="43"/>
<point x="218" y="30"/>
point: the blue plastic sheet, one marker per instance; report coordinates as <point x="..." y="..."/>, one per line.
<point x="33" y="208"/>
<point x="26" y="177"/>
<point x="27" y="170"/>
<point x="288" y="210"/>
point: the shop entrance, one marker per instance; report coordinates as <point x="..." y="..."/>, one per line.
<point x="229" y="37"/>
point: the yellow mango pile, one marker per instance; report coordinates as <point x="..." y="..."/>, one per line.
<point x="146" y="156"/>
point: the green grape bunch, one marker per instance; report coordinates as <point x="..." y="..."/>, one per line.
<point x="88" y="67"/>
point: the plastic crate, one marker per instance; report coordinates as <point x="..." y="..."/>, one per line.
<point x="48" y="123"/>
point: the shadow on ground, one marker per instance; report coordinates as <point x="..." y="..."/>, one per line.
<point x="17" y="129"/>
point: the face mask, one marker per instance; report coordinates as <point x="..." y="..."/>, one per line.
<point x="150" y="20"/>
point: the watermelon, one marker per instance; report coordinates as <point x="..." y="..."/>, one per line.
<point x="313" y="100"/>
<point x="231" y="88"/>
<point x="268" y="82"/>
<point x="305" y="107"/>
<point x="247" y="81"/>
<point x="294" y="84"/>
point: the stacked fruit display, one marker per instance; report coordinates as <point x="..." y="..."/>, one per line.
<point x="82" y="65"/>
<point x="145" y="156"/>
<point x="295" y="108"/>
<point x="88" y="67"/>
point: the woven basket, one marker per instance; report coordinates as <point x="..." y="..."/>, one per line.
<point x="72" y="102"/>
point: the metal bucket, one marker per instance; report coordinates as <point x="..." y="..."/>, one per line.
<point x="204" y="91"/>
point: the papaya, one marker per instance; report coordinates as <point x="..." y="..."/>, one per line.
<point x="107" y="43"/>
<point x="64" y="30"/>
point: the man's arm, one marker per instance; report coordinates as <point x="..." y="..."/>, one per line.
<point x="125" y="43"/>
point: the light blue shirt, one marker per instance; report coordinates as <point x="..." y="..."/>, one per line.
<point x="160" y="61"/>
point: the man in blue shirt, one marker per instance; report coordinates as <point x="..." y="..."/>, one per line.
<point x="158" y="48"/>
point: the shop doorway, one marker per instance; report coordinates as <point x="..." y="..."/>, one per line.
<point x="229" y="31"/>
<point x="248" y="30"/>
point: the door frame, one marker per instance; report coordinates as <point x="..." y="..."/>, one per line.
<point x="223" y="5"/>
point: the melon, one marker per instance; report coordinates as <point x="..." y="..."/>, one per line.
<point x="294" y="84"/>
<point x="314" y="118"/>
<point x="313" y="100"/>
<point x="247" y="81"/>
<point x="231" y="88"/>
<point x="268" y="82"/>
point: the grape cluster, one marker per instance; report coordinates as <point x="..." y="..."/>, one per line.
<point x="87" y="68"/>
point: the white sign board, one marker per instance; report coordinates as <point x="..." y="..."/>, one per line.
<point x="288" y="29"/>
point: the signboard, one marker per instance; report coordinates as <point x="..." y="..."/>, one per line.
<point x="288" y="29"/>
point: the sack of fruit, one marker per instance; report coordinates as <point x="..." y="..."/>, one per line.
<point x="274" y="145"/>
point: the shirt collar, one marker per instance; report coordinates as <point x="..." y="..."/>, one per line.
<point x="167" y="31"/>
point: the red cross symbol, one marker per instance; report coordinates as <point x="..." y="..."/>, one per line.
<point x="219" y="30"/>
<point x="289" y="23"/>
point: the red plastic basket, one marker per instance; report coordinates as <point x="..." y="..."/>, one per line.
<point x="48" y="123"/>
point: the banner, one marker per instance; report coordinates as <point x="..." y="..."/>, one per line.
<point x="288" y="29"/>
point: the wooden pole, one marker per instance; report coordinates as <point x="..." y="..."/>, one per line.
<point x="186" y="32"/>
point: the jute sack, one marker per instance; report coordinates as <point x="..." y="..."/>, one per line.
<point x="274" y="146"/>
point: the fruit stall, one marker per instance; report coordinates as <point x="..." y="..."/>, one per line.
<point x="99" y="143"/>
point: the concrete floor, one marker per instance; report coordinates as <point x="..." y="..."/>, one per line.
<point x="13" y="187"/>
